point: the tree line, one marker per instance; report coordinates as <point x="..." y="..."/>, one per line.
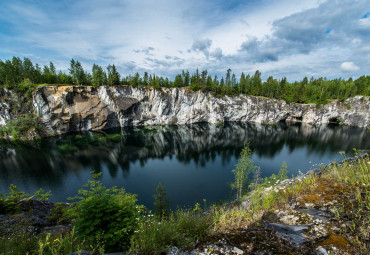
<point x="18" y="73"/>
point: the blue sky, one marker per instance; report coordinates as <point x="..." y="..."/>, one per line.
<point x="292" y="38"/>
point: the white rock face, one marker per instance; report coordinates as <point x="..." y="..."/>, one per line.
<point x="73" y="108"/>
<point x="6" y="97"/>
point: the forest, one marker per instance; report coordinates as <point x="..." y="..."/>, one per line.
<point x="23" y="75"/>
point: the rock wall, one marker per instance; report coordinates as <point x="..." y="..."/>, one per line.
<point x="8" y="101"/>
<point x="74" y="108"/>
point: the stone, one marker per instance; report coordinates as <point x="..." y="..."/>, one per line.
<point x="77" y="108"/>
<point x="294" y="233"/>
<point x="289" y="219"/>
<point x="4" y="218"/>
<point x="83" y="253"/>
<point x="316" y="214"/>
<point x="321" y="251"/>
<point x="238" y="251"/>
<point x="58" y="229"/>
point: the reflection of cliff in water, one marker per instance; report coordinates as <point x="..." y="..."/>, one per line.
<point x="200" y="143"/>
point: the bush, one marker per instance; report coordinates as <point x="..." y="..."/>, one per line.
<point x="10" y="203"/>
<point x="105" y="216"/>
<point x="20" y="126"/>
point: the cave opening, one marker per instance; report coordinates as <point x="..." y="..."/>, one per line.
<point x="334" y="120"/>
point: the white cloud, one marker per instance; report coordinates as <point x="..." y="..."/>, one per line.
<point x="349" y="67"/>
<point x="293" y="38"/>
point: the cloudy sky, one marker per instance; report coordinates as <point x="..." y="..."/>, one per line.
<point x="292" y="38"/>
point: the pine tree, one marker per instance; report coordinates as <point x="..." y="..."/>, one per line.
<point x="161" y="202"/>
<point x="113" y="75"/>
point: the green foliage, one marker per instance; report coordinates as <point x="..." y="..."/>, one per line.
<point x="59" y="214"/>
<point x="22" y="75"/>
<point x="99" y="77"/>
<point x="283" y="172"/>
<point x="242" y="171"/>
<point x="22" y="242"/>
<point x="65" y="244"/>
<point x="42" y="195"/>
<point x="10" y="203"/>
<point x="275" y="179"/>
<point x="77" y="72"/>
<point x="181" y="229"/>
<point x="106" y="216"/>
<point x="113" y="75"/>
<point x="17" y="242"/>
<point x="20" y="126"/>
<point x="161" y="202"/>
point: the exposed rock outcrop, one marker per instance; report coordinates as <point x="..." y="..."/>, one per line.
<point x="8" y="101"/>
<point x="75" y="108"/>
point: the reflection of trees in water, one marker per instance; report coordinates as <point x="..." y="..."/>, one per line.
<point x="199" y="143"/>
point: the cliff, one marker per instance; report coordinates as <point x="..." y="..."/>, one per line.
<point x="75" y="108"/>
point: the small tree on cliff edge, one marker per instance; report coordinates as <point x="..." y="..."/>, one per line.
<point x="242" y="171"/>
<point x="161" y="202"/>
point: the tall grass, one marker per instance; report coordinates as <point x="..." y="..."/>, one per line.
<point x="182" y="229"/>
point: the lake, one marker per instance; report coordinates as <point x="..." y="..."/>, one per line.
<point x="192" y="162"/>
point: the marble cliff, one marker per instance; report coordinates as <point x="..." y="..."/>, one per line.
<point x="75" y="108"/>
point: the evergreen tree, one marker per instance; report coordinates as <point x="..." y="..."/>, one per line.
<point x="256" y="84"/>
<point x="242" y="84"/>
<point x="187" y="78"/>
<point x="146" y="79"/>
<point x="113" y="75"/>
<point x="28" y="69"/>
<point x="178" y="81"/>
<point x="228" y="81"/>
<point x="209" y="86"/>
<point x="203" y="81"/>
<point x="161" y="202"/>
<point x="2" y="73"/>
<point x="234" y="84"/>
<point x="37" y="74"/>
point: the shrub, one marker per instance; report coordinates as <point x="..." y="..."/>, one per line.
<point x="42" y="195"/>
<point x="161" y="202"/>
<point x="106" y="216"/>
<point x="10" y="203"/>
<point x="58" y="214"/>
<point x="20" y="126"/>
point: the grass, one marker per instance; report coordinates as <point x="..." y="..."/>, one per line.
<point x="347" y="182"/>
<point x="182" y="229"/>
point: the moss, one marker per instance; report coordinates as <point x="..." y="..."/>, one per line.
<point x="311" y="198"/>
<point x="335" y="241"/>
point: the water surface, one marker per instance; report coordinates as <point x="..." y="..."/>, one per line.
<point x="193" y="162"/>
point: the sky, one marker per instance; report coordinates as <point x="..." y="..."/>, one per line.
<point x="281" y="38"/>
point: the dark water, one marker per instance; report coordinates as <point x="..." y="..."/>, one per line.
<point x="192" y="162"/>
